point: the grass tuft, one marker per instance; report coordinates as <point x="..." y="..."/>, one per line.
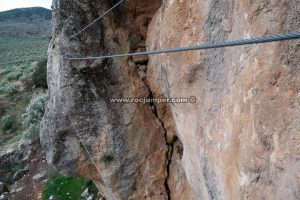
<point x="66" y="187"/>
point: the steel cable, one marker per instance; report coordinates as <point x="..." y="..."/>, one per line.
<point x="250" y="41"/>
<point x="100" y="17"/>
<point x="84" y="146"/>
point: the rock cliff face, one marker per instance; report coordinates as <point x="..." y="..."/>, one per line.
<point x="240" y="140"/>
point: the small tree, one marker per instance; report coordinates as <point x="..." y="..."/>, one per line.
<point x="39" y="77"/>
<point x="7" y="120"/>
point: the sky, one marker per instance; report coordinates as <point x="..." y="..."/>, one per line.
<point x="11" y="4"/>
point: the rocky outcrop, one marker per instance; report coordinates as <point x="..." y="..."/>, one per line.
<point x="3" y="188"/>
<point x="240" y="140"/>
<point x="19" y="163"/>
<point x="13" y="154"/>
<point x="126" y="141"/>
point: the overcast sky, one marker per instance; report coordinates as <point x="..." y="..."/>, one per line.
<point x="10" y="4"/>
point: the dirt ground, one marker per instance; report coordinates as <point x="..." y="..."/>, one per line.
<point x="25" y="187"/>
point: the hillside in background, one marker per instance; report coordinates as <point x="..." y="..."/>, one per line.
<point x="24" y="39"/>
<point x="34" y="21"/>
<point x="26" y="13"/>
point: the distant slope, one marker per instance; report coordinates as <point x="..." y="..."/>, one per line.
<point x="35" y="21"/>
<point x="26" y="14"/>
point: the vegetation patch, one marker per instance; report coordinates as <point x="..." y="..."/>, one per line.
<point x="21" y="51"/>
<point x="7" y="88"/>
<point x="8" y="119"/>
<point x="107" y="158"/>
<point x="66" y="187"/>
<point x="17" y="167"/>
<point x="15" y="75"/>
<point x="39" y="77"/>
<point x="33" y="116"/>
<point x="22" y="58"/>
<point x="26" y="13"/>
<point x="14" y="140"/>
<point x="9" y="176"/>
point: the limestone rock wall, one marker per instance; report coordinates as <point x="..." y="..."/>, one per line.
<point x="240" y="140"/>
<point x="126" y="141"/>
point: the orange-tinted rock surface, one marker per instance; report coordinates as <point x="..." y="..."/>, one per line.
<point x="239" y="140"/>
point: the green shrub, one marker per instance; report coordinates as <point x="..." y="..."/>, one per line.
<point x="3" y="82"/>
<point x="33" y="116"/>
<point x="15" y="75"/>
<point x="64" y="187"/>
<point x="7" y="121"/>
<point x="26" y="78"/>
<point x="29" y="69"/>
<point x="7" y="88"/>
<point x="39" y="77"/>
<point x="5" y="71"/>
<point x="14" y="139"/>
<point x="8" y="178"/>
<point x="17" y="167"/>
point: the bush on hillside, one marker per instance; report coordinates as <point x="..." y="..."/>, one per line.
<point x="15" y="75"/>
<point x="7" y="120"/>
<point x="7" y="88"/>
<point x="5" y="71"/>
<point x="39" y="77"/>
<point x="26" y="78"/>
<point x="33" y="116"/>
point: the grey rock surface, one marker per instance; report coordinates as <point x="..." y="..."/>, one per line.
<point x="3" y="188"/>
<point x="126" y="141"/>
<point x="3" y="197"/>
<point x="39" y="177"/>
<point x="11" y="155"/>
